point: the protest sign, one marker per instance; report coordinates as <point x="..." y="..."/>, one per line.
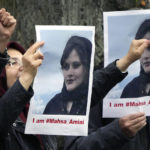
<point x="62" y="87"/>
<point x="120" y="28"/>
<point x="116" y="108"/>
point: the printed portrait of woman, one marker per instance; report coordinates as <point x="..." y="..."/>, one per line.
<point x="75" y="66"/>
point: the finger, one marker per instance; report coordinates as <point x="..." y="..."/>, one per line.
<point x="143" y="46"/>
<point x="6" y="21"/>
<point x="38" y="55"/>
<point x="37" y="62"/>
<point x="127" y="121"/>
<point x="132" y="130"/>
<point x="135" y="115"/>
<point x="4" y="16"/>
<point x="139" y="125"/>
<point x="140" y="41"/>
<point x="9" y="20"/>
<point x="2" y="11"/>
<point x="138" y="120"/>
<point x="34" y="47"/>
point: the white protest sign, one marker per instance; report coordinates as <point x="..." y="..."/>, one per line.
<point x="116" y="108"/>
<point x="120" y="28"/>
<point x="50" y="84"/>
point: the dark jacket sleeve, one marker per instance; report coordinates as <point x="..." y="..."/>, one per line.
<point x="108" y="137"/>
<point x="3" y="62"/>
<point x="100" y="137"/>
<point x="104" y="80"/>
<point x="11" y="105"/>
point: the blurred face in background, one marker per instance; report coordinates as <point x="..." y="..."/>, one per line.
<point x="14" y="67"/>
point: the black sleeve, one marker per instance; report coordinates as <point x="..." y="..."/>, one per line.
<point x="108" y="137"/>
<point x="11" y="105"/>
<point x="3" y="61"/>
<point x="104" y="80"/>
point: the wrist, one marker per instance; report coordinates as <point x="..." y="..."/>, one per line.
<point x="131" y="58"/>
<point x="26" y="80"/>
<point x="3" y="52"/>
<point x="3" y="46"/>
<point x="123" y="63"/>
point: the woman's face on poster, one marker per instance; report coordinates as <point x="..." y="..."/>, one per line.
<point x="145" y="61"/>
<point x="73" y="71"/>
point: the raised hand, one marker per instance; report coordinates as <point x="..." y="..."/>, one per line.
<point x="137" y="48"/>
<point x="32" y="59"/>
<point x="7" y="27"/>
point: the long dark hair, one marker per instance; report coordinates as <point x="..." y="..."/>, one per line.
<point x="82" y="46"/>
<point x="143" y="29"/>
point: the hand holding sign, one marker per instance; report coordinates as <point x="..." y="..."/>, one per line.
<point x="132" y="123"/>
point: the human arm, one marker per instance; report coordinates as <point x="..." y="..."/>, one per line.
<point x="136" y="49"/>
<point x="11" y="105"/>
<point x="115" y="134"/>
<point x="3" y="62"/>
<point x="132" y="123"/>
<point x="108" y="137"/>
<point x="7" y="26"/>
<point x="13" y="101"/>
<point x="101" y="135"/>
<point x="108" y="77"/>
<point x="103" y="80"/>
